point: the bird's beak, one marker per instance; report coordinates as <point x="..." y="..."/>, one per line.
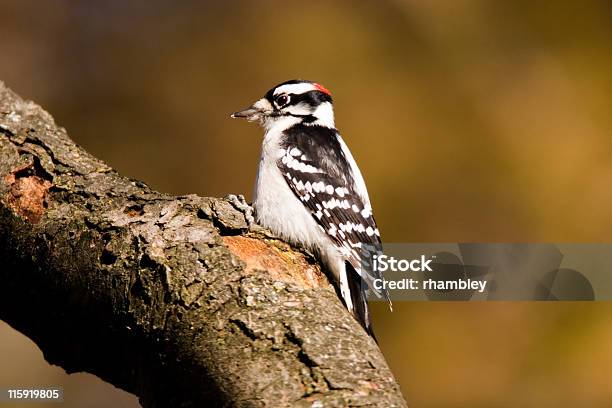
<point x="254" y="112"/>
<point x="246" y="113"/>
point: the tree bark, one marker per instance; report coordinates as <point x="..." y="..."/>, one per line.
<point x="179" y="300"/>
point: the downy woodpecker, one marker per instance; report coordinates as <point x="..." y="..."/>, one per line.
<point x="310" y="191"/>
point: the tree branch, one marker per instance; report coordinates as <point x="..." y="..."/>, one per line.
<point x="174" y="299"/>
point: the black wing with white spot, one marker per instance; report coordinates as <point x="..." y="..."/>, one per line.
<point x="319" y="173"/>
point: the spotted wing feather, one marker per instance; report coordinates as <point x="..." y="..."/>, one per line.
<point x="325" y="187"/>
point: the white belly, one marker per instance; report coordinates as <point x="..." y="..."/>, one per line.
<point x="278" y="208"/>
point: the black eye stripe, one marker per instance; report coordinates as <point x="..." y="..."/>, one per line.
<point x="312" y="98"/>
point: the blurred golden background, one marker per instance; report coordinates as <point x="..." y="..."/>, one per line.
<point x="472" y="120"/>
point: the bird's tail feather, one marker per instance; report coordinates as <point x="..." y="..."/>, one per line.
<point x="360" y="310"/>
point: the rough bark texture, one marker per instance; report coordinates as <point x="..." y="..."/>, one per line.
<point x="175" y="299"/>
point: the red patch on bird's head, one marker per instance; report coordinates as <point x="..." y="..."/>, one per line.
<point x="322" y="89"/>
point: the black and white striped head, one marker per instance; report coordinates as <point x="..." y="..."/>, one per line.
<point x="293" y="102"/>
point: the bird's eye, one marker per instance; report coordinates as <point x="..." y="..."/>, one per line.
<point x="282" y="100"/>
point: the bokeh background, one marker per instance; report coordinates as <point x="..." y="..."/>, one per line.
<point x="472" y="120"/>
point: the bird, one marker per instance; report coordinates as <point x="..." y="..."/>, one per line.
<point x="310" y="192"/>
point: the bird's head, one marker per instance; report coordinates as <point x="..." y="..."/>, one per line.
<point x="294" y="101"/>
